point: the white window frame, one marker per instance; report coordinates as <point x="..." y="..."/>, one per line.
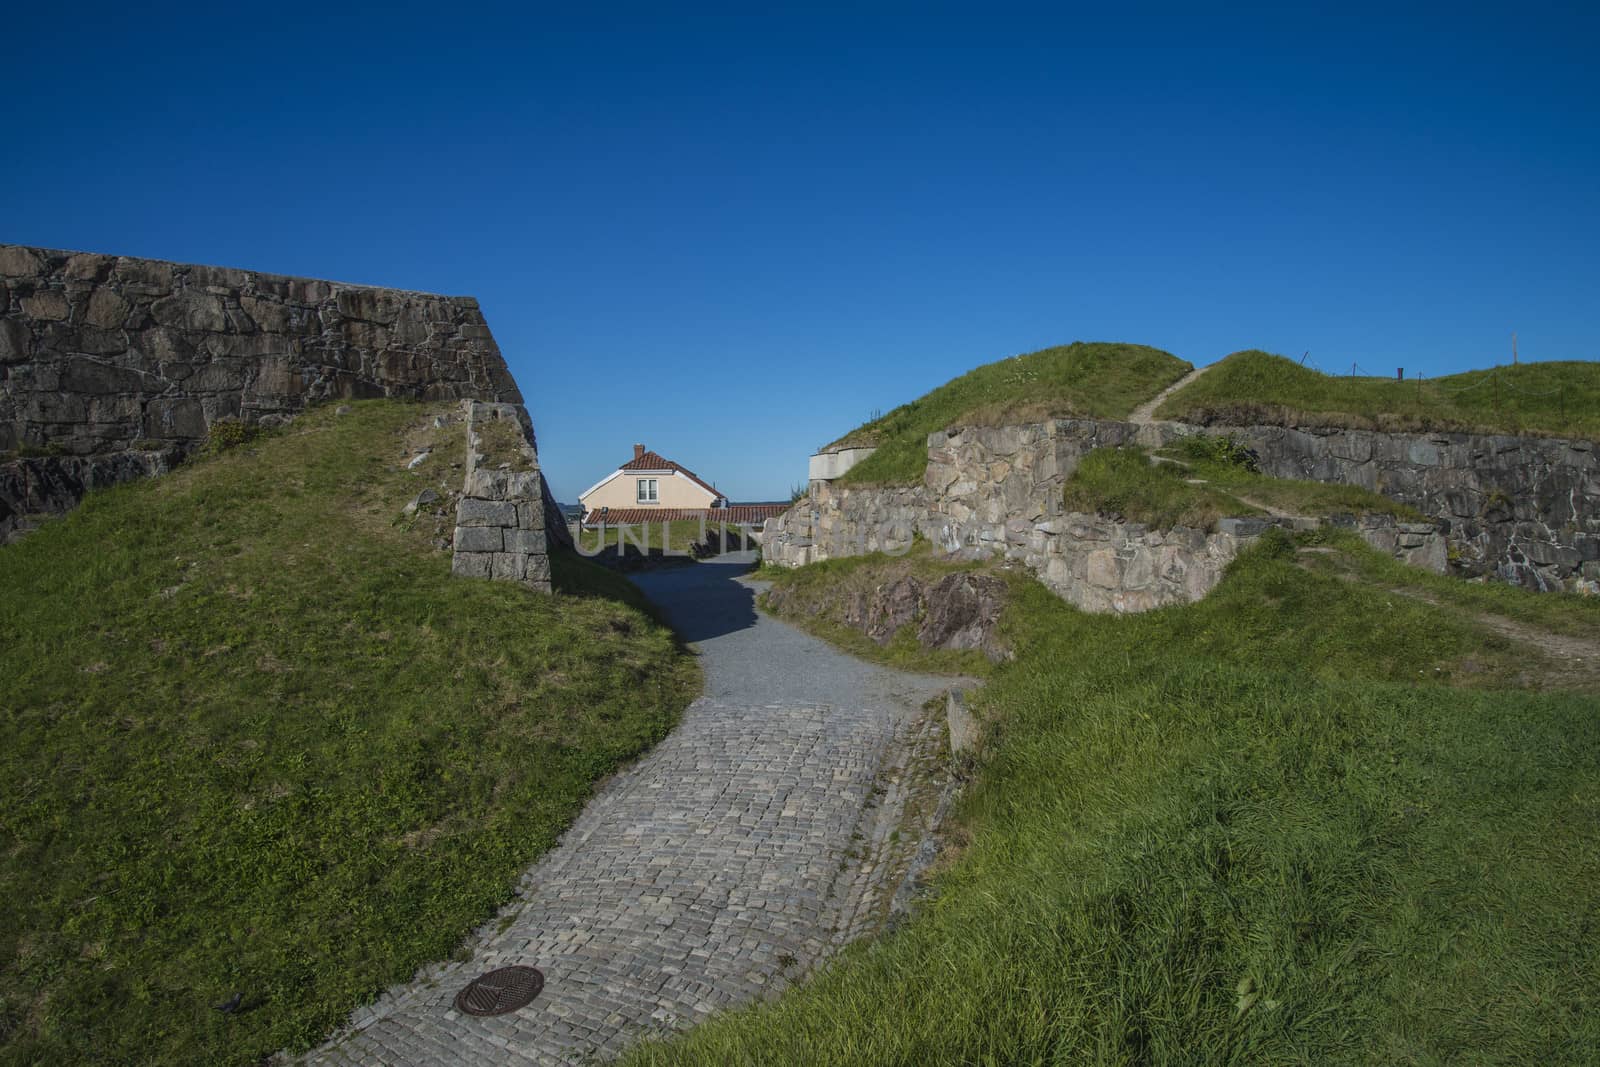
<point x="649" y="491"/>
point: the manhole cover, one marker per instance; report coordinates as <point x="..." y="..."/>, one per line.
<point x="500" y="991"/>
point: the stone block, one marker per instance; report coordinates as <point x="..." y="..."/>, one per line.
<point x="190" y="310"/>
<point x="526" y="541"/>
<point x="81" y="375"/>
<point x="1103" y="570"/>
<point x="508" y="566"/>
<point x="487" y="484"/>
<point x="530" y="514"/>
<point x="16" y="341"/>
<point x="1242" y="527"/>
<point x="1139" y="569"/>
<point x="181" y="417"/>
<point x="474" y="512"/>
<point x="106" y="309"/>
<point x="16" y="262"/>
<point x="48" y="305"/>
<point x="479" y="539"/>
<point x="472" y="564"/>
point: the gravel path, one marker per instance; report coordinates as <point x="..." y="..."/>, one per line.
<point x="1145" y="413"/>
<point x="739" y="853"/>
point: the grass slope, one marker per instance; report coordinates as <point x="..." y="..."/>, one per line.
<point x="1201" y="480"/>
<point x="1268" y="827"/>
<point x="254" y="737"/>
<point x="1559" y="398"/>
<point x="1097" y="380"/>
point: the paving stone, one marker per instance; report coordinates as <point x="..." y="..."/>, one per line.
<point x="744" y="850"/>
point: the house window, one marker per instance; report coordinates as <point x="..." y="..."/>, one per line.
<point x="647" y="491"/>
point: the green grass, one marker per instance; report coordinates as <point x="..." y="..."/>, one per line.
<point x="1572" y="615"/>
<point x="254" y="737"/>
<point x="1200" y="480"/>
<point x="1122" y="484"/>
<point x="501" y="442"/>
<point x="1282" y="825"/>
<point x="1558" y="398"/>
<point x="1092" y="380"/>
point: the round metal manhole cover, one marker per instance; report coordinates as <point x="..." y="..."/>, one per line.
<point x="500" y="991"/>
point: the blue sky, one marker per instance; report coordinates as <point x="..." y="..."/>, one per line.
<point x="757" y="228"/>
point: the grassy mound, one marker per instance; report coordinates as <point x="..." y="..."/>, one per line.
<point x="1094" y="380"/>
<point x="254" y="738"/>
<point x="1552" y="399"/>
<point x="1311" y="819"/>
<point x="1203" y="479"/>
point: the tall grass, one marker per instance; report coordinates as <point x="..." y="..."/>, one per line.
<point x="1096" y="380"/>
<point x="1265" y="828"/>
<point x="254" y="738"/>
<point x="1556" y="398"/>
<point x="1197" y="484"/>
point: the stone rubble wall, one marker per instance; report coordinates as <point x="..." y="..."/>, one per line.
<point x="501" y="518"/>
<point x="996" y="491"/>
<point x="113" y="367"/>
<point x="1525" y="510"/>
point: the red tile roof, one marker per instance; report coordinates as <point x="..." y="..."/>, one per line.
<point x="651" y="461"/>
<point x="755" y="514"/>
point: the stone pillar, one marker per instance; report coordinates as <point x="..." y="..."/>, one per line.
<point x="500" y="518"/>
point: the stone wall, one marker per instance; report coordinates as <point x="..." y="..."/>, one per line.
<point x="1523" y="509"/>
<point x="501" y="518"/>
<point x="112" y="367"/>
<point x="996" y="491"/>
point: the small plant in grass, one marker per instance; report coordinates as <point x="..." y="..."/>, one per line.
<point x="225" y="434"/>
<point x="1222" y="449"/>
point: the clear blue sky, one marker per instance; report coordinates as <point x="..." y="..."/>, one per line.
<point x="732" y="236"/>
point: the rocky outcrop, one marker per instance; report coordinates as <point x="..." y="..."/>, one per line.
<point x="113" y="367"/>
<point x="957" y="612"/>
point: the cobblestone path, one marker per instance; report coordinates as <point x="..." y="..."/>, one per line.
<point x="739" y="853"/>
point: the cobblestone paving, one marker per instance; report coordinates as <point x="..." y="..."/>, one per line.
<point x="742" y="851"/>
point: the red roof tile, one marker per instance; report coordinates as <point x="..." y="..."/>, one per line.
<point x="755" y="514"/>
<point x="651" y="461"/>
